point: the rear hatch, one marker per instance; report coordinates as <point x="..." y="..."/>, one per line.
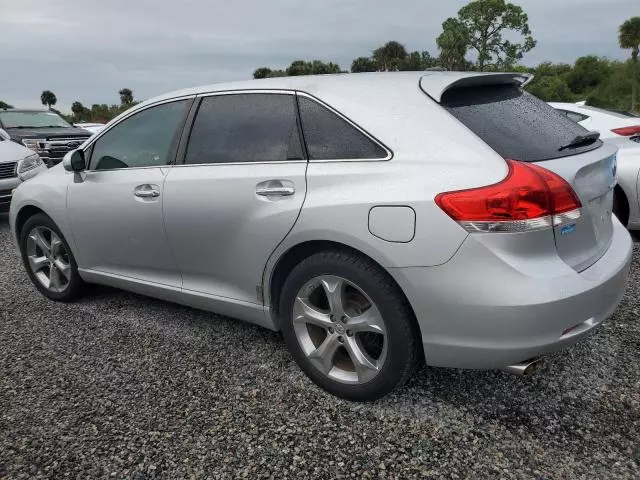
<point x="521" y="127"/>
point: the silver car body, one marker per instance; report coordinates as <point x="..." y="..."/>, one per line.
<point x="209" y="241"/>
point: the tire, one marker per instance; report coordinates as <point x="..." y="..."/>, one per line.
<point x="376" y="327"/>
<point x="620" y="206"/>
<point x="57" y="263"/>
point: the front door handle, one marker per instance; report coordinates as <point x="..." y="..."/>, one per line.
<point x="147" y="191"/>
<point x="281" y="188"/>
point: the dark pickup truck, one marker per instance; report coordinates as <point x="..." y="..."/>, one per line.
<point x="44" y="132"/>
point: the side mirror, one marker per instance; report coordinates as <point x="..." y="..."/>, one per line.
<point x="74" y="161"/>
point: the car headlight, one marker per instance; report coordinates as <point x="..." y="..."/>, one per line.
<point x="28" y="163"/>
<point x="33" y="143"/>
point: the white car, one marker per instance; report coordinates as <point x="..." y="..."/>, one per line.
<point x="17" y="164"/>
<point x="90" y="127"/>
<point x="622" y="130"/>
<point x="609" y="124"/>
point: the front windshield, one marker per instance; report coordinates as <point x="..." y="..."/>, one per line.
<point x="31" y="120"/>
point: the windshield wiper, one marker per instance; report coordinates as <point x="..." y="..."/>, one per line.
<point x="581" y="140"/>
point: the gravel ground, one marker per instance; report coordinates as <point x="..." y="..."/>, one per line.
<point x="122" y="386"/>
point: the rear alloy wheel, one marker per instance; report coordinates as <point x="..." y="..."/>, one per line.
<point x="348" y="325"/>
<point x="339" y="329"/>
<point x="48" y="259"/>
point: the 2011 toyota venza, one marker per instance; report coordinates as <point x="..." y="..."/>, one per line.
<point x="375" y="219"/>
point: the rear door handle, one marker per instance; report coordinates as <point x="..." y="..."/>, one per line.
<point x="147" y="191"/>
<point x="281" y="188"/>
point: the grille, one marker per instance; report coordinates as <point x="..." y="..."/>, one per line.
<point x="52" y="150"/>
<point x="8" y="169"/>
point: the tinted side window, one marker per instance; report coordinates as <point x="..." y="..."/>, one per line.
<point x="145" y="139"/>
<point x="514" y="123"/>
<point x="252" y="127"/>
<point x="330" y="137"/>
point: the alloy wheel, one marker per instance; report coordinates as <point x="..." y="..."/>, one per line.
<point x="48" y="259"/>
<point x="340" y="329"/>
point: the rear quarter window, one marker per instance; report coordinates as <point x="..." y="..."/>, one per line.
<point x="516" y="124"/>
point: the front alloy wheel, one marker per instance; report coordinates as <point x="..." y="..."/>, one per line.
<point x="48" y="259"/>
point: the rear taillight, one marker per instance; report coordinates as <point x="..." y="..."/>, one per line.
<point x="529" y="198"/>
<point x="627" y="131"/>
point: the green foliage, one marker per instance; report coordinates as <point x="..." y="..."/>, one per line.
<point x="126" y="97"/>
<point x="453" y="44"/>
<point x="615" y="91"/>
<point x="390" y="57"/>
<point x="5" y="106"/>
<point x="587" y="73"/>
<point x="299" y="67"/>
<point x="416" y="61"/>
<point x="48" y="98"/>
<point x="629" y="37"/>
<point x="363" y="64"/>
<point x="484" y="22"/>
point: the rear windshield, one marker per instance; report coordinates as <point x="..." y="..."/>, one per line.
<point x="514" y="123"/>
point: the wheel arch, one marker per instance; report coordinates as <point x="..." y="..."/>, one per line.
<point x="26" y="212"/>
<point x="296" y="254"/>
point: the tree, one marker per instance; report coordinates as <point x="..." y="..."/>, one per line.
<point x="80" y="112"/>
<point x="262" y="72"/>
<point x="587" y="73"/>
<point x="629" y="37"/>
<point x="5" y="106"/>
<point x="48" y="98"/>
<point x="453" y="43"/>
<point x="363" y="64"/>
<point x="126" y="97"/>
<point x="485" y="21"/>
<point x="417" y="61"/>
<point x="390" y="56"/>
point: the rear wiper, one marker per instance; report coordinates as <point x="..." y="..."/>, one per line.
<point x="582" y="140"/>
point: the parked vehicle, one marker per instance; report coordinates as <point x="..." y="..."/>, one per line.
<point x="610" y="124"/>
<point x="626" y="203"/>
<point x="90" y="127"/>
<point x="17" y="164"/>
<point x="375" y="219"/>
<point x="44" y="132"/>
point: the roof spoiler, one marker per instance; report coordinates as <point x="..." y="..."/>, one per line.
<point x="435" y="87"/>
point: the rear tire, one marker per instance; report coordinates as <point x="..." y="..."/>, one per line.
<point x="48" y="259"/>
<point x="620" y="206"/>
<point x="348" y="325"/>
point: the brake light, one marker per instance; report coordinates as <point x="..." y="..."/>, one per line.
<point x="627" y="131"/>
<point x="529" y="198"/>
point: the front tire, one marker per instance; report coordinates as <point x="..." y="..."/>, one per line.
<point x="48" y="259"/>
<point x="348" y="325"/>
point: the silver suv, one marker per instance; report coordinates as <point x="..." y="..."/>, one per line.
<point x="375" y="219"/>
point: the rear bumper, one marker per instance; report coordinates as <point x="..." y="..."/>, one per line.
<point x="482" y="311"/>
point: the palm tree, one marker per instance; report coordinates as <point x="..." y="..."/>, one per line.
<point x="629" y="37"/>
<point x="48" y="98"/>
<point x="126" y="97"/>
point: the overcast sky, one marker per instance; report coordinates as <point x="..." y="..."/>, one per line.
<point x="87" y="50"/>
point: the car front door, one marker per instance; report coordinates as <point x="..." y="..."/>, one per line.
<point x="115" y="206"/>
<point x="237" y="194"/>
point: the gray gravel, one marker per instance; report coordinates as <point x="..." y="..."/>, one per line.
<point x="122" y="386"/>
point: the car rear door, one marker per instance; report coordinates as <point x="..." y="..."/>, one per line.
<point x="521" y="127"/>
<point x="237" y="194"/>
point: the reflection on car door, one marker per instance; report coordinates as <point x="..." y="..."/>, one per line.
<point x="116" y="211"/>
<point x="238" y="193"/>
